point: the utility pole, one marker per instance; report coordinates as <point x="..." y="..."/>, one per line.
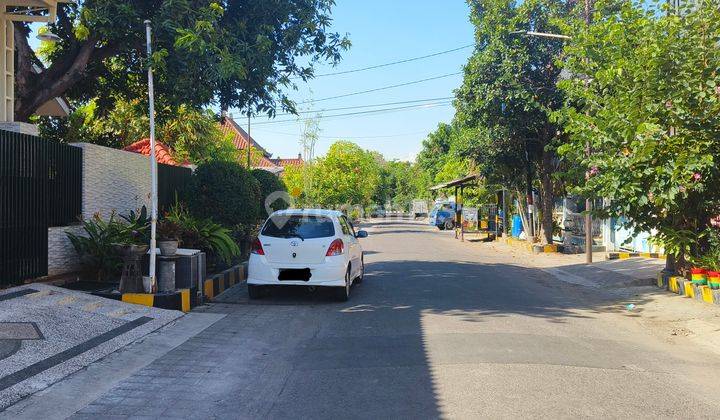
<point x="153" y="160"/>
<point x="249" y="142"/>
<point x="588" y="151"/>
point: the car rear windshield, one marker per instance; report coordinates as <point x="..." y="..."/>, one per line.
<point x="299" y="226"/>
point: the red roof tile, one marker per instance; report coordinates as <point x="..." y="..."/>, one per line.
<point x="240" y="140"/>
<point x="298" y="161"/>
<point x="162" y="152"/>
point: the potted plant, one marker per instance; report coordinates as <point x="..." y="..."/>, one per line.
<point x="169" y="234"/>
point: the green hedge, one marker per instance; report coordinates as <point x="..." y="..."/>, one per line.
<point x="269" y="183"/>
<point x="225" y="192"/>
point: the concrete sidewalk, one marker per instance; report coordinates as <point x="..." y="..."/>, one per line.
<point x="47" y="333"/>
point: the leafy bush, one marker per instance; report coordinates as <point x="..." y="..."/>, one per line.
<point x="225" y="192"/>
<point x="96" y="247"/>
<point x="203" y="234"/>
<point x="269" y="183"/>
<point x="169" y="230"/>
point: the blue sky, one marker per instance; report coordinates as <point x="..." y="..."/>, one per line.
<point x="382" y="31"/>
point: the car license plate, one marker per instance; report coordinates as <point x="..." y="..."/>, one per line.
<point x="294" y="274"/>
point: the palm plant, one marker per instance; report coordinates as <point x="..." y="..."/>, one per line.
<point x="96" y="246"/>
<point x="203" y="234"/>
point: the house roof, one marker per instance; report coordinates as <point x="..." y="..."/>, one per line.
<point x="240" y="136"/>
<point x="162" y="152"/>
<point x="298" y="161"/>
<point x="240" y="139"/>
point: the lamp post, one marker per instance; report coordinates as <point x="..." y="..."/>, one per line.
<point x="153" y="159"/>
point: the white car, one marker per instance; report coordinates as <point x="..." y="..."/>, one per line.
<point x="308" y="247"/>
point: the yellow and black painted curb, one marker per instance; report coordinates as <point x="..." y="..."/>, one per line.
<point x="684" y="287"/>
<point x="178" y="300"/>
<point x="218" y="283"/>
<point x="625" y="255"/>
<point x="525" y="245"/>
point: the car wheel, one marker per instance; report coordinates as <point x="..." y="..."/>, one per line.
<point x="254" y="291"/>
<point x="342" y="293"/>
<point x="359" y="278"/>
<point x="449" y="225"/>
<point x="441" y="227"/>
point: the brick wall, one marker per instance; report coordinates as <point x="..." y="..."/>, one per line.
<point x="112" y="180"/>
<point x="62" y="257"/>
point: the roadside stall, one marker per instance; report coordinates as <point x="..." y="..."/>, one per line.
<point x="467" y="220"/>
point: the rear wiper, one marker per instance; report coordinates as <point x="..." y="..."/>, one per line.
<point x="295" y="235"/>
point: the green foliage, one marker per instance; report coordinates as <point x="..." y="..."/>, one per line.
<point x="168" y="230"/>
<point x="710" y="257"/>
<point x="192" y="135"/>
<point x="269" y="184"/>
<point x="650" y="112"/>
<point x="239" y="54"/>
<point x="204" y="234"/>
<point x="195" y="136"/>
<point x="298" y="181"/>
<point x="347" y="174"/>
<point x="224" y="192"/>
<point x="96" y="245"/>
<point x="503" y="120"/>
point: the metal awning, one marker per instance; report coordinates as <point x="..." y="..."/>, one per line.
<point x="456" y="182"/>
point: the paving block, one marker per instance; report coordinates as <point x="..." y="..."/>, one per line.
<point x="673" y="284"/>
<point x="662" y="280"/>
<point x="697" y="292"/>
<point x="716" y="296"/>
<point x="688" y="289"/>
<point x="707" y="295"/>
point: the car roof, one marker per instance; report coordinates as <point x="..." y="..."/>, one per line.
<point x="308" y="212"/>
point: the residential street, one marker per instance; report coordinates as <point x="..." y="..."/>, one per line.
<point x="438" y="328"/>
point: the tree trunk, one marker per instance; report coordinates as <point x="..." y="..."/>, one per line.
<point x="547" y="196"/>
<point x="32" y="90"/>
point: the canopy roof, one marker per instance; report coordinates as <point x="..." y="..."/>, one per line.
<point x="457" y="182"/>
<point x="31" y="10"/>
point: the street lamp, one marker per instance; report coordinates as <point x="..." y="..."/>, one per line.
<point x="48" y="37"/>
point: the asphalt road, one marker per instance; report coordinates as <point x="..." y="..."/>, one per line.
<point x="437" y="329"/>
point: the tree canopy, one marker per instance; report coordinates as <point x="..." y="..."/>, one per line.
<point x="651" y="115"/>
<point x="347" y="174"/>
<point x="236" y="53"/>
<point x="508" y="94"/>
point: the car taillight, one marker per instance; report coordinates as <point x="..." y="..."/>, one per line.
<point x="257" y="247"/>
<point x="335" y="248"/>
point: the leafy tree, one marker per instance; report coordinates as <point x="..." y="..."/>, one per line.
<point x="193" y="135"/>
<point x="435" y="149"/>
<point x="242" y="54"/>
<point x="298" y="182"/>
<point x="346" y="175"/>
<point x="651" y="115"/>
<point x="269" y="184"/>
<point x="508" y="94"/>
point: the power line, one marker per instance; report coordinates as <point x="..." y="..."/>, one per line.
<point x="375" y="111"/>
<point x="407" y="60"/>
<point x="382" y="88"/>
<point x="365" y="106"/>
<point x="328" y="136"/>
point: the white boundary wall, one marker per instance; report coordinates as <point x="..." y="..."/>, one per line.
<point x="112" y="180"/>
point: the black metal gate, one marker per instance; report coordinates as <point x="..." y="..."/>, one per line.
<point x="40" y="186"/>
